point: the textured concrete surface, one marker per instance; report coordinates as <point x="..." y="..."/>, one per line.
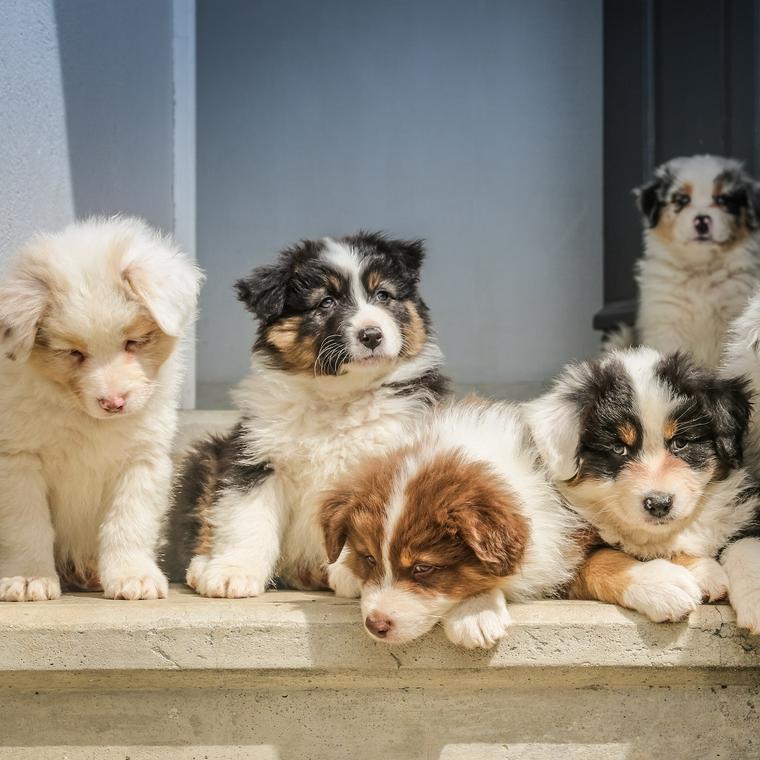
<point x="293" y="675"/>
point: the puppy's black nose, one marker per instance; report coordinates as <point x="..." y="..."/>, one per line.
<point x="702" y="224"/>
<point x="378" y="625"/>
<point x="658" y="504"/>
<point x="370" y="337"/>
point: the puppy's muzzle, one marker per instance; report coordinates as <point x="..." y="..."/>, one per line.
<point x="370" y="337"/>
<point x="378" y="625"/>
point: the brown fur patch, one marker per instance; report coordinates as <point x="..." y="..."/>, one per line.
<point x="670" y="430"/>
<point x="297" y="353"/>
<point x="604" y="576"/>
<point x="79" y="578"/>
<point x="415" y="334"/>
<point x="627" y="434"/>
<point x="374" y="281"/>
<point x="460" y="517"/>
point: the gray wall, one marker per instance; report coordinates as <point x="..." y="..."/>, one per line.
<point x="476" y="125"/>
<point x="86" y="113"/>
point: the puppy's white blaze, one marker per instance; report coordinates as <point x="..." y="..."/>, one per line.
<point x="393" y="512"/>
<point x="344" y="259"/>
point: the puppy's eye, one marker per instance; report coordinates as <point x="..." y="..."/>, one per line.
<point x="132" y="345"/>
<point x="327" y="303"/>
<point x="681" y="200"/>
<point x="421" y="570"/>
<point x="677" y="444"/>
<point x="721" y="200"/>
<point x="370" y="560"/>
<point x="77" y="355"/>
<point x="619" y="450"/>
<point x="382" y="296"/>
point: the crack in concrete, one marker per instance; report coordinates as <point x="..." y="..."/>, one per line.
<point x="156" y="649"/>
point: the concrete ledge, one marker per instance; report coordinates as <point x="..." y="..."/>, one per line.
<point x="293" y="631"/>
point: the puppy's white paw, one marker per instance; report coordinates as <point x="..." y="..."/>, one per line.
<point x="662" y="591"/>
<point x="135" y="583"/>
<point x="342" y="581"/>
<point x="747" y="608"/>
<point x="18" y="588"/>
<point x="712" y="579"/>
<point x="478" y="622"/>
<point x="195" y="570"/>
<point x="231" y="581"/>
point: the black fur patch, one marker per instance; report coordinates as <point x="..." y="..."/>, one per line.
<point x="717" y="409"/>
<point x="433" y="385"/>
<point x="605" y="402"/>
<point x="213" y="465"/>
<point x="653" y="197"/>
<point x="742" y="196"/>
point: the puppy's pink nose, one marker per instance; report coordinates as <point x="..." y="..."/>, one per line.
<point x="112" y="404"/>
<point x="378" y="624"/>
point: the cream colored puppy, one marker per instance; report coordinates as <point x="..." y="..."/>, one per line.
<point x="90" y="324"/>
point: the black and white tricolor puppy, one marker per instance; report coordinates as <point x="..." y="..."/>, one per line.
<point x="648" y="448"/>
<point x="700" y="261"/>
<point x="343" y="365"/>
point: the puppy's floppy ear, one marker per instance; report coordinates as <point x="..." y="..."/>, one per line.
<point x="554" y="421"/>
<point x="493" y="527"/>
<point x="649" y="199"/>
<point x="163" y="278"/>
<point x="412" y="253"/>
<point x="263" y="291"/>
<point x="730" y="407"/>
<point x="333" y="516"/>
<point x="24" y="295"/>
<point x="752" y="190"/>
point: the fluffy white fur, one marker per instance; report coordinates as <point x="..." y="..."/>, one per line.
<point x="690" y="290"/>
<point x="84" y="485"/>
<point x="494" y="434"/>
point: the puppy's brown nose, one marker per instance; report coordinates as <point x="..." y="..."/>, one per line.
<point x="370" y="337"/>
<point x="112" y="404"/>
<point x="378" y="625"/>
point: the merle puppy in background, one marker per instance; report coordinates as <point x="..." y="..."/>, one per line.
<point x="343" y="365"/>
<point x="700" y="262"/>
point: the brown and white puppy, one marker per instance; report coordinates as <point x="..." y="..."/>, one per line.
<point x="648" y="448"/>
<point x="444" y="528"/>
<point x="90" y="321"/>
<point x="343" y="366"/>
<point x="700" y="263"/>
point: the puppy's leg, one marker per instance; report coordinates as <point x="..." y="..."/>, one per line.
<point x="130" y="531"/>
<point x="246" y="533"/>
<point x="27" y="562"/>
<point x="478" y="622"/>
<point x="741" y="561"/>
<point x="341" y="580"/>
<point x="710" y="576"/>
<point x="657" y="588"/>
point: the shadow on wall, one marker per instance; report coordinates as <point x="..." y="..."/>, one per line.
<point x="117" y="76"/>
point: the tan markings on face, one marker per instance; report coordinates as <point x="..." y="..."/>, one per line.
<point x="374" y="281"/>
<point x="297" y="352"/>
<point x="670" y="430"/>
<point x="56" y="365"/>
<point x="414" y="332"/>
<point x="627" y="434"/>
<point x="334" y="283"/>
<point x="460" y="518"/>
<point x="153" y="345"/>
<point x="604" y="576"/>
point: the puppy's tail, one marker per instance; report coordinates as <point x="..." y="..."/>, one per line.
<point x="620" y="337"/>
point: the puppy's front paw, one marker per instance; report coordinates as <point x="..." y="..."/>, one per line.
<point x="662" y="591"/>
<point x="135" y="583"/>
<point x="712" y="579"/>
<point x="342" y="581"/>
<point x="478" y="622"/>
<point x="221" y="580"/>
<point x="19" y="588"/>
<point x="747" y="608"/>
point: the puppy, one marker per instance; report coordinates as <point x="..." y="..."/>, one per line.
<point x="700" y="261"/>
<point x="344" y="363"/>
<point x="90" y="322"/>
<point x="443" y="528"/>
<point x="648" y="448"/>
